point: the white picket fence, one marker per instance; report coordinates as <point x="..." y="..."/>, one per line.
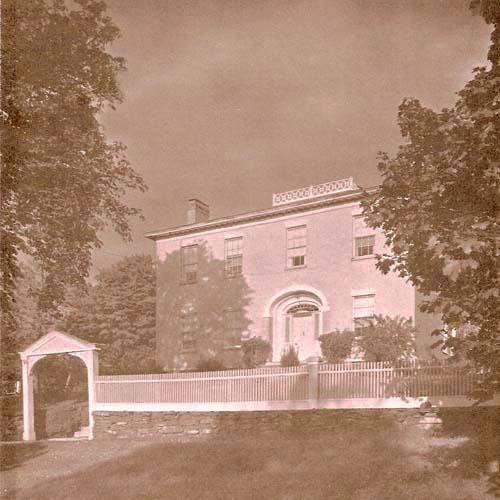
<point x="262" y="384"/>
<point x="385" y="380"/>
<point x="314" y="385"/>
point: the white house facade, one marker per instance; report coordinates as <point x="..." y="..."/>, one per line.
<point x="303" y="267"/>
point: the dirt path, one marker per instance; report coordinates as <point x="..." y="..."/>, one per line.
<point x="23" y="465"/>
<point x="362" y="464"/>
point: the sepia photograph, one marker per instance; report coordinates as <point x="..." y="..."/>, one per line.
<point x="250" y="249"/>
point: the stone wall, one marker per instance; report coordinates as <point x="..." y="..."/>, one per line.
<point x="194" y="425"/>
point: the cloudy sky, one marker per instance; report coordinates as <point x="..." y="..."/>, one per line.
<point x="229" y="101"/>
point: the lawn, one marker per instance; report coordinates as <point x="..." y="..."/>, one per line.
<point x="365" y="464"/>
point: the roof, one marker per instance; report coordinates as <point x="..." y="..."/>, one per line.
<point x="56" y="342"/>
<point x="277" y="211"/>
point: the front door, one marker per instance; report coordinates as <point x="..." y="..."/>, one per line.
<point x="304" y="333"/>
<point x="302" y="330"/>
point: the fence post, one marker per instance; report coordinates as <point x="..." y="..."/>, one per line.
<point x="313" y="375"/>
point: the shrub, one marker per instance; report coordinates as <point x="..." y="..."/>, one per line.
<point x="256" y="351"/>
<point x="290" y="358"/>
<point x="336" y="346"/>
<point x="387" y="339"/>
<point x="210" y="365"/>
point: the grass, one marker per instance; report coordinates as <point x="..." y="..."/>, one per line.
<point x="366" y="464"/>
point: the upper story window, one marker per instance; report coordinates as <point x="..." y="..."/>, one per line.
<point x="189" y="330"/>
<point x="233" y="251"/>
<point x="296" y="246"/>
<point x="189" y="264"/>
<point x="364" y="239"/>
<point x="363" y="245"/>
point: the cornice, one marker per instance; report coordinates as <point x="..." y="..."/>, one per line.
<point x="279" y="211"/>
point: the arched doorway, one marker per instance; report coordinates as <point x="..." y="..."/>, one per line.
<point x="297" y="319"/>
<point x="56" y="343"/>
<point x="60" y="397"/>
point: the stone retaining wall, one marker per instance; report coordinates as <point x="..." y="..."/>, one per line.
<point x="193" y="425"/>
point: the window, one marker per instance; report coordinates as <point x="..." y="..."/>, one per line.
<point x="363" y="245"/>
<point x="233" y="249"/>
<point x="189" y="329"/>
<point x="296" y="246"/>
<point x="233" y="326"/>
<point x="363" y="310"/>
<point x="364" y="239"/>
<point x="189" y="264"/>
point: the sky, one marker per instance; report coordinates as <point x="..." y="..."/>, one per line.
<point x="229" y="101"/>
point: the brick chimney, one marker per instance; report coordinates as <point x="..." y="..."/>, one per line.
<point x="197" y="212"/>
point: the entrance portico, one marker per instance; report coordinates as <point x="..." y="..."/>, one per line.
<point x="56" y="343"/>
<point x="297" y="322"/>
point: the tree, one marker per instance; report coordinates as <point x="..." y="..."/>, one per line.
<point x="336" y="346"/>
<point x="439" y="207"/>
<point x="387" y="339"/>
<point x="31" y="324"/>
<point x="61" y="180"/>
<point x="203" y="320"/>
<point x="290" y="357"/>
<point x="118" y="313"/>
<point x="256" y="351"/>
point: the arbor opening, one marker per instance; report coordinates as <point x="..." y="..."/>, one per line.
<point x="61" y="406"/>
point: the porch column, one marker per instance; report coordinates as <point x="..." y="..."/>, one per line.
<point x="91" y="360"/>
<point x="93" y="372"/>
<point x="28" y="403"/>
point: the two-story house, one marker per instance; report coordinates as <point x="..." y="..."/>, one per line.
<point x="301" y="268"/>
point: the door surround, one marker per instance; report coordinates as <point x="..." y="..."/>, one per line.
<point x="296" y="298"/>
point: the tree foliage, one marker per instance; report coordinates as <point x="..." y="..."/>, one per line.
<point x="256" y="351"/>
<point x="202" y="310"/>
<point x="439" y="207"/>
<point x="32" y="323"/>
<point x="61" y="180"/>
<point x="118" y="313"/>
<point x="290" y="357"/>
<point x="336" y="346"/>
<point x="387" y="339"/>
<point x="212" y="364"/>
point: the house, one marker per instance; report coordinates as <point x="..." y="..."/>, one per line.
<point x="303" y="267"/>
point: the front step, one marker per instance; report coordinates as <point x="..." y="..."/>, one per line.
<point x="82" y="433"/>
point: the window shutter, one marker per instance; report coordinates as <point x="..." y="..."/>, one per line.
<point x="288" y="327"/>
<point x="316" y="325"/>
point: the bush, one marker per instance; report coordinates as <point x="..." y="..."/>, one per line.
<point x="256" y="351"/>
<point x="387" y="339"/>
<point x="210" y="365"/>
<point x="336" y="346"/>
<point x="290" y="358"/>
